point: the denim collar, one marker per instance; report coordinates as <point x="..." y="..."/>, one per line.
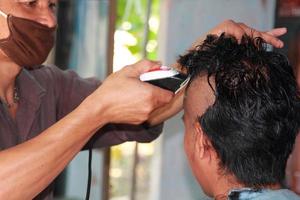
<point x="244" y="194"/>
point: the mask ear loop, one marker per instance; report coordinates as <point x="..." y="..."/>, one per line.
<point x="3" y="14"/>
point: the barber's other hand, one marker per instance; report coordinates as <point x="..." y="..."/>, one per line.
<point x="126" y="99"/>
<point x="238" y="29"/>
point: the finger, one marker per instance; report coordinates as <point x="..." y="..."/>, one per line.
<point x="232" y="28"/>
<point x="146" y="61"/>
<point x="251" y="32"/>
<point x="248" y="30"/>
<point x="268" y="38"/>
<point x="141" y="67"/>
<point x="277" y="31"/>
<point x="156" y="61"/>
<point x="147" y="65"/>
<point x="229" y="27"/>
<point x="238" y="34"/>
<point x="244" y="26"/>
<point x="162" y="96"/>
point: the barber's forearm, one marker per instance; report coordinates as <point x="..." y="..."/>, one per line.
<point x="26" y="169"/>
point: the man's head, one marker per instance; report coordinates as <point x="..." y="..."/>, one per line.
<point x="27" y="31"/>
<point x="241" y="113"/>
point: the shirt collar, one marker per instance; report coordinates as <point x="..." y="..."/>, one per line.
<point x="244" y="194"/>
<point x="31" y="93"/>
<point x="29" y="88"/>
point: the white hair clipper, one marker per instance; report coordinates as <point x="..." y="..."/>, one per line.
<point x="166" y="78"/>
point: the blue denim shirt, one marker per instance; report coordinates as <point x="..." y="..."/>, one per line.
<point x="250" y="194"/>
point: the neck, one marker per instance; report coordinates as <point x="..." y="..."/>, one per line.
<point x="227" y="184"/>
<point x="8" y="73"/>
<point x="224" y="185"/>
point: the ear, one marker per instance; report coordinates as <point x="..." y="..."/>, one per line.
<point x="199" y="146"/>
<point x="202" y="145"/>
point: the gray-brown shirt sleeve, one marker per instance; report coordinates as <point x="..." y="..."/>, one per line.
<point x="72" y="89"/>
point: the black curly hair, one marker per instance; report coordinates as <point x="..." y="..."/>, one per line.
<point x="255" y="118"/>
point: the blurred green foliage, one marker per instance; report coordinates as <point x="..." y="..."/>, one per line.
<point x="131" y="16"/>
<point x="134" y="12"/>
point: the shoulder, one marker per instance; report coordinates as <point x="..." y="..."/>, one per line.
<point x="50" y="76"/>
<point x="47" y="75"/>
<point x="46" y="72"/>
<point x="283" y="194"/>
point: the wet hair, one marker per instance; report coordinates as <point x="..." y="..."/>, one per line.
<point x="254" y="120"/>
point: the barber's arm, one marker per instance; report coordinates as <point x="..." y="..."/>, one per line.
<point x="28" y="168"/>
<point x="72" y="89"/>
<point x="114" y="134"/>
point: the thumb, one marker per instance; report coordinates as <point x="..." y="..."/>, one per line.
<point x="143" y="66"/>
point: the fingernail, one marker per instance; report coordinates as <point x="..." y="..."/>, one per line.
<point x="281" y="44"/>
<point x="163" y="67"/>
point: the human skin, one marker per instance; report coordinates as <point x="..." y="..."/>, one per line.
<point x="293" y="165"/>
<point x="26" y="169"/>
<point x="293" y="168"/>
<point x="202" y="157"/>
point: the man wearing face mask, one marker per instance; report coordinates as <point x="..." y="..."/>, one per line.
<point x="29" y="42"/>
<point x="47" y="115"/>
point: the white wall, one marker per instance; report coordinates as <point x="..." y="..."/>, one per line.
<point x="182" y="22"/>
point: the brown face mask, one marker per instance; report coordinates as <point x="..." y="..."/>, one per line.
<point x="29" y="42"/>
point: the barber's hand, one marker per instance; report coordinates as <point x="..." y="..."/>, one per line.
<point x="167" y="111"/>
<point x="127" y="99"/>
<point x="237" y="30"/>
